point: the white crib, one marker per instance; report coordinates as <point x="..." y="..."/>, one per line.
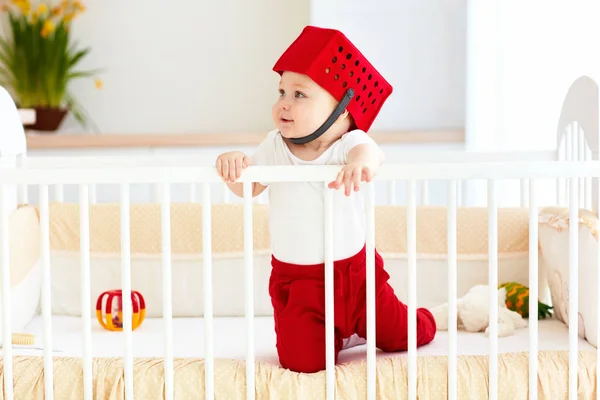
<point x="173" y="356"/>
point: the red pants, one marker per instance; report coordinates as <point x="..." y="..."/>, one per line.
<point x="298" y="298"/>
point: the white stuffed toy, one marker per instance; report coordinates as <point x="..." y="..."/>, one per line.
<point x="473" y="313"/>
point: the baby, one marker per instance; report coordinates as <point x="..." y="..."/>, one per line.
<point x="329" y="95"/>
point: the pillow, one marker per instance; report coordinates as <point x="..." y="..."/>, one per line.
<point x="25" y="268"/>
<point x="554" y="249"/>
<point x="472" y="250"/>
<point x="228" y="254"/>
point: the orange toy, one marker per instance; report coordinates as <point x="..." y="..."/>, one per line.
<point x="114" y="310"/>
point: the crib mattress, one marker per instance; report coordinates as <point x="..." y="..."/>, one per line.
<point x="274" y="382"/>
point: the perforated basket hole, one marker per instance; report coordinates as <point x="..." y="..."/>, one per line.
<point x="348" y="56"/>
<point x="336" y="77"/>
<point x="351" y="74"/>
<point x="343" y="66"/>
<point x="356" y="63"/>
<point x="327" y="70"/>
<point x="344" y="84"/>
<point x="370" y="76"/>
<point x="376" y="83"/>
<point x="341" y="48"/>
<point x="334" y="59"/>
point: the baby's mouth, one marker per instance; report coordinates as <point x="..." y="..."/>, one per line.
<point x="285" y="120"/>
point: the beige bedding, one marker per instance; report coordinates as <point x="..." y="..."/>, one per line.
<point x="228" y="229"/>
<point x="273" y="382"/>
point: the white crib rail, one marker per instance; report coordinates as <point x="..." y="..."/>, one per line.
<point x="391" y="192"/>
<point x="411" y="173"/>
<point x="533" y="289"/>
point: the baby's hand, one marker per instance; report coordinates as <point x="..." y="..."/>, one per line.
<point x="350" y="176"/>
<point x="229" y="165"/>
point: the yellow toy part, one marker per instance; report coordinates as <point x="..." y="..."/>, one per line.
<point x="114" y="310"/>
<point x="517" y="299"/>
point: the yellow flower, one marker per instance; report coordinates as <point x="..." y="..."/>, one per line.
<point x="98" y="83"/>
<point x="48" y="28"/>
<point x="23" y="5"/>
<point x="42" y="9"/>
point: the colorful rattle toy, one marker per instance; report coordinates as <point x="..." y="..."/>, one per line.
<point x="114" y="310"/>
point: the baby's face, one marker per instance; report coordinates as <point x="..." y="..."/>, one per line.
<point x="302" y="106"/>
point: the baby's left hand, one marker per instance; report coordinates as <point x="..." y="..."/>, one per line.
<point x="350" y="176"/>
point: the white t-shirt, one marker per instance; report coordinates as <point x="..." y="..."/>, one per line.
<point x="296" y="209"/>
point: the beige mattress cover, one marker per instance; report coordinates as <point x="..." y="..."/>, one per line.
<point x="274" y="382"/>
<point x="228" y="230"/>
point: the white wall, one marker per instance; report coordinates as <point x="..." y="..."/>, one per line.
<point x="419" y="46"/>
<point x="523" y="56"/>
<point x="540" y="49"/>
<point x="219" y="56"/>
<point x="185" y="66"/>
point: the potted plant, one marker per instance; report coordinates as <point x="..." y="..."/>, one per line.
<point x="38" y="60"/>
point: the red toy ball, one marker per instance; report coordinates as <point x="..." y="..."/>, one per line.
<point x="114" y="310"/>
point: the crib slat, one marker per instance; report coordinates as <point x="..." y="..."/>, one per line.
<point x="573" y="286"/>
<point x="165" y="216"/>
<point x="192" y="192"/>
<point x="411" y="248"/>
<point x="391" y="192"/>
<point x="524" y="194"/>
<point x="59" y="193"/>
<point x="371" y="314"/>
<point x="126" y="289"/>
<point x="226" y="194"/>
<point x="588" y="180"/>
<point x="329" y="299"/>
<point x="493" y="284"/>
<point x="452" y="292"/>
<point x="581" y="157"/>
<point x="533" y="290"/>
<point x="93" y="194"/>
<point x="84" y="238"/>
<point x="208" y="295"/>
<point x="424" y="193"/>
<point x="598" y="297"/>
<point x="249" y="289"/>
<point x="46" y="291"/>
<point x="23" y="189"/>
<point x="6" y="300"/>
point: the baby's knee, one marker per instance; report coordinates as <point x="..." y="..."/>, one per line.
<point x="304" y="359"/>
<point x="426" y="326"/>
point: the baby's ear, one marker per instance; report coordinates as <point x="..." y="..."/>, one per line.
<point x="345" y="114"/>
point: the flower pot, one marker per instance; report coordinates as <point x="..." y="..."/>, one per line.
<point x="48" y="119"/>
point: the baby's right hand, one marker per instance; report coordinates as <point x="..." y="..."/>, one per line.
<point x="229" y="165"/>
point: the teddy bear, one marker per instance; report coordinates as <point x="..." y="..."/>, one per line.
<point x="473" y="310"/>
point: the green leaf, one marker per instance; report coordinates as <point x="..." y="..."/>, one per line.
<point x="39" y="69"/>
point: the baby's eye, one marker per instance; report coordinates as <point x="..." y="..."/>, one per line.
<point x="281" y="92"/>
<point x="300" y="94"/>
